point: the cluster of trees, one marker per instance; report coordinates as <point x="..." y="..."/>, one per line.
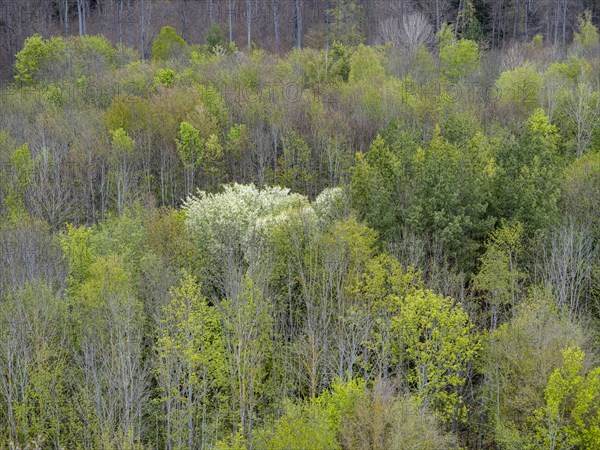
<point x="278" y="25"/>
<point x="425" y="275"/>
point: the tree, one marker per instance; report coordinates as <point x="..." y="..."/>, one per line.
<point x="518" y="360"/>
<point x="315" y="423"/>
<point x="366" y="65"/>
<point x="35" y="56"/>
<point x="382" y="418"/>
<point x="519" y="88"/>
<point x="191" y="151"/>
<point x="459" y="58"/>
<point x="566" y="265"/>
<point x="408" y="33"/>
<point x="586" y="39"/>
<point x="434" y="335"/>
<point x="571" y="413"/>
<point x="191" y="370"/>
<point x="247" y="336"/>
<point x="499" y="274"/>
<point x="168" y="45"/>
<point x="108" y="343"/>
<point x="122" y="146"/>
<point x="214" y="37"/>
<point x="582" y="108"/>
<point x="346" y="19"/>
<point x="525" y="183"/>
<point x="33" y="362"/>
<point x="467" y="23"/>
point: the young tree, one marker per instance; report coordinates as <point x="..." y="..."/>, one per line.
<point x="459" y="58"/>
<point x="518" y="360"/>
<point x="33" y="366"/>
<point x="168" y="45"/>
<point x="571" y="413"/>
<point x="434" y="335"/>
<point x="108" y="341"/>
<point x="122" y="146"/>
<point x="247" y="331"/>
<point x="192" y="369"/>
<point x="499" y="274"/>
<point x="190" y="147"/>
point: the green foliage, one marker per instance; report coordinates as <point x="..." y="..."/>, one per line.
<point x="346" y="24"/>
<point x="580" y="189"/>
<point x="91" y="54"/>
<point x="295" y="171"/>
<point x="23" y="164"/>
<point x="164" y="77"/>
<point x="192" y="368"/>
<point x="302" y="426"/>
<point x="435" y="335"/>
<point x="215" y="37"/>
<point x="121" y="142"/>
<point x="366" y="65"/>
<point x="519" y="88"/>
<point x="341" y="58"/>
<point x="570" y="417"/>
<point x="316" y="423"/>
<point x="470" y="27"/>
<point x="32" y="364"/>
<point x="168" y="45"/>
<point x="499" y="272"/>
<point x="519" y="358"/>
<point x="445" y="36"/>
<point x="189" y="145"/>
<point x="575" y="69"/>
<point x="586" y="38"/>
<point x="76" y="247"/>
<point x="459" y="58"/>
<point x="525" y="183"/>
<point x="35" y="55"/>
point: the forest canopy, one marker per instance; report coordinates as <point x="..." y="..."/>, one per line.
<point x="347" y="246"/>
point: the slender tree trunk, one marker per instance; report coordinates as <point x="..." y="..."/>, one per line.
<point x="66" y="17"/>
<point x="120" y="21"/>
<point x="249" y="22"/>
<point x="298" y="4"/>
<point x="231" y="21"/>
<point x="79" y="15"/>
<point x="276" y="23"/>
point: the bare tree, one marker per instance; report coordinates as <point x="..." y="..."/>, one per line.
<point x="567" y="263"/>
<point x="408" y="32"/>
<point x="583" y="107"/>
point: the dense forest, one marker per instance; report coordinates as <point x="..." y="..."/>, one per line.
<point x="279" y="25"/>
<point x="380" y="238"/>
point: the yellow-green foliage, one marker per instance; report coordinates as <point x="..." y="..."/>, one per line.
<point x="434" y="334"/>
<point x="570" y="417"/>
<point x="520" y="87"/>
<point x="168" y="45"/>
<point x="34" y="57"/>
<point x="459" y="58"/>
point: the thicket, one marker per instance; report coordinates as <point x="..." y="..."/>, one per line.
<point x="358" y="247"/>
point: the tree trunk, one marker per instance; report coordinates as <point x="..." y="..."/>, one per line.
<point x="249" y="22"/>
<point x="299" y="23"/>
<point x="276" y="23"/>
<point x="230" y="21"/>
